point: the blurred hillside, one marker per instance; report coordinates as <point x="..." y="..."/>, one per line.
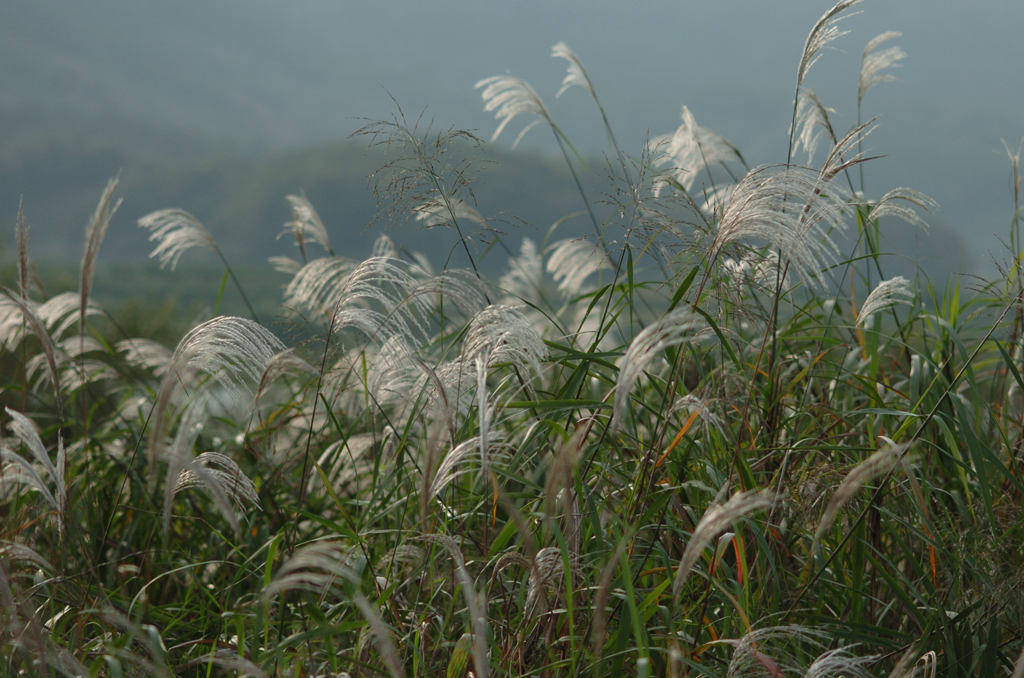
<point x="59" y="165"/>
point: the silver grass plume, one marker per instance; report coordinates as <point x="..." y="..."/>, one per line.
<point x="770" y="651"/>
<point x="453" y="465"/>
<point x="305" y="223"/>
<point x="545" y="578"/>
<point x="840" y="663"/>
<point x="509" y="97"/>
<point x="440" y="212"/>
<point x="671" y="329"/>
<point x="875" y="60"/>
<point x="795" y="209"/>
<point x="896" y="203"/>
<point x="21" y="231"/>
<point x="577" y="75"/>
<point x="716" y="519"/>
<point x="94" y="234"/>
<point x="228" y="658"/>
<point x="502" y="334"/>
<point x="202" y="472"/>
<point x="688" y="151"/>
<point x="317" y="567"/>
<point x="887" y="293"/>
<point x="228" y="348"/>
<point x="145" y="354"/>
<point x="58" y="313"/>
<point x="313" y="285"/>
<point x="36" y="325"/>
<point x="285" y="265"/>
<point x="822" y="33"/>
<point x="525" y="277"/>
<point x="812" y="122"/>
<point x="12" y="551"/>
<point x="573" y="261"/>
<point x="384" y="246"/>
<point x="877" y="464"/>
<point x="177" y="231"/>
<point x="22" y="427"/>
<point x="476" y="603"/>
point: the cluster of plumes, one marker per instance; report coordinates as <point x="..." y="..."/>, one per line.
<point x="690" y="151"/>
<point x="226" y="355"/>
<point x="18" y="469"/>
<point x="176" y="231"/>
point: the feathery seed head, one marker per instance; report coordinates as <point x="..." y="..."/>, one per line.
<point x="813" y="122"/>
<point x="715" y="520"/>
<point x="573" y="261"/>
<point x="177" y="231"/>
<point x="688" y="151"/>
<point x="822" y="33"/>
<point x="877" y="464"/>
<point x="305" y="224"/>
<point x="671" y="329"/>
<point x="509" y="97"/>
<point x="229" y="479"/>
<point x="446" y="213"/>
<point x="872" y="62"/>
<point x="887" y="293"/>
<point x="577" y="75"/>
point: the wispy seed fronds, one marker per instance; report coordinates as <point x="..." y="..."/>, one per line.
<point x="94" y="234"/>
<point x="229" y="479"/>
<point x="823" y="32"/>
<point x="573" y="261"/>
<point x="896" y="203"/>
<point x="813" y="123"/>
<point x="771" y="651"/>
<point x="177" y="231"/>
<point x="887" y="293"/>
<point x="877" y="464"/>
<point x="313" y="285"/>
<point x="672" y="329"/>
<point x="228" y="346"/>
<point x="285" y="265"/>
<point x="525" y="276"/>
<point x="305" y="224"/>
<point x="840" y="663"/>
<point x="715" y="520"/>
<point x="545" y="578"/>
<point x="21" y="230"/>
<point x="36" y="325"/>
<point x="145" y="354"/>
<point x="690" y="150"/>
<point x="872" y="62"/>
<point x="22" y="427"/>
<point x="57" y="313"/>
<point x="454" y="464"/>
<point x="440" y="212"/>
<point x="789" y="209"/>
<point x="577" y="75"/>
<point x="509" y="97"/>
<point x="13" y="551"/>
<point x="502" y="334"/>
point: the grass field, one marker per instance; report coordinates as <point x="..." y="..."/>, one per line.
<point x="703" y="440"/>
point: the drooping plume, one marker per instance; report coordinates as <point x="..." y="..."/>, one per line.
<point x="177" y="231"/>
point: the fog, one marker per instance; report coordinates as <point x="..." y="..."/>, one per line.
<point x="274" y="75"/>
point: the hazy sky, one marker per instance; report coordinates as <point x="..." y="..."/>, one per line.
<point x="291" y="73"/>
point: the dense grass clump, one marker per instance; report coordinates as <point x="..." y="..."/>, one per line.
<point x="712" y="438"/>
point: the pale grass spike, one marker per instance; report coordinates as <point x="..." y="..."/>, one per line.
<point x="176" y="231"/>
<point x="672" y="329"/>
<point x="874" y="61"/>
<point x="887" y="293"/>
<point x="508" y="97"/>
